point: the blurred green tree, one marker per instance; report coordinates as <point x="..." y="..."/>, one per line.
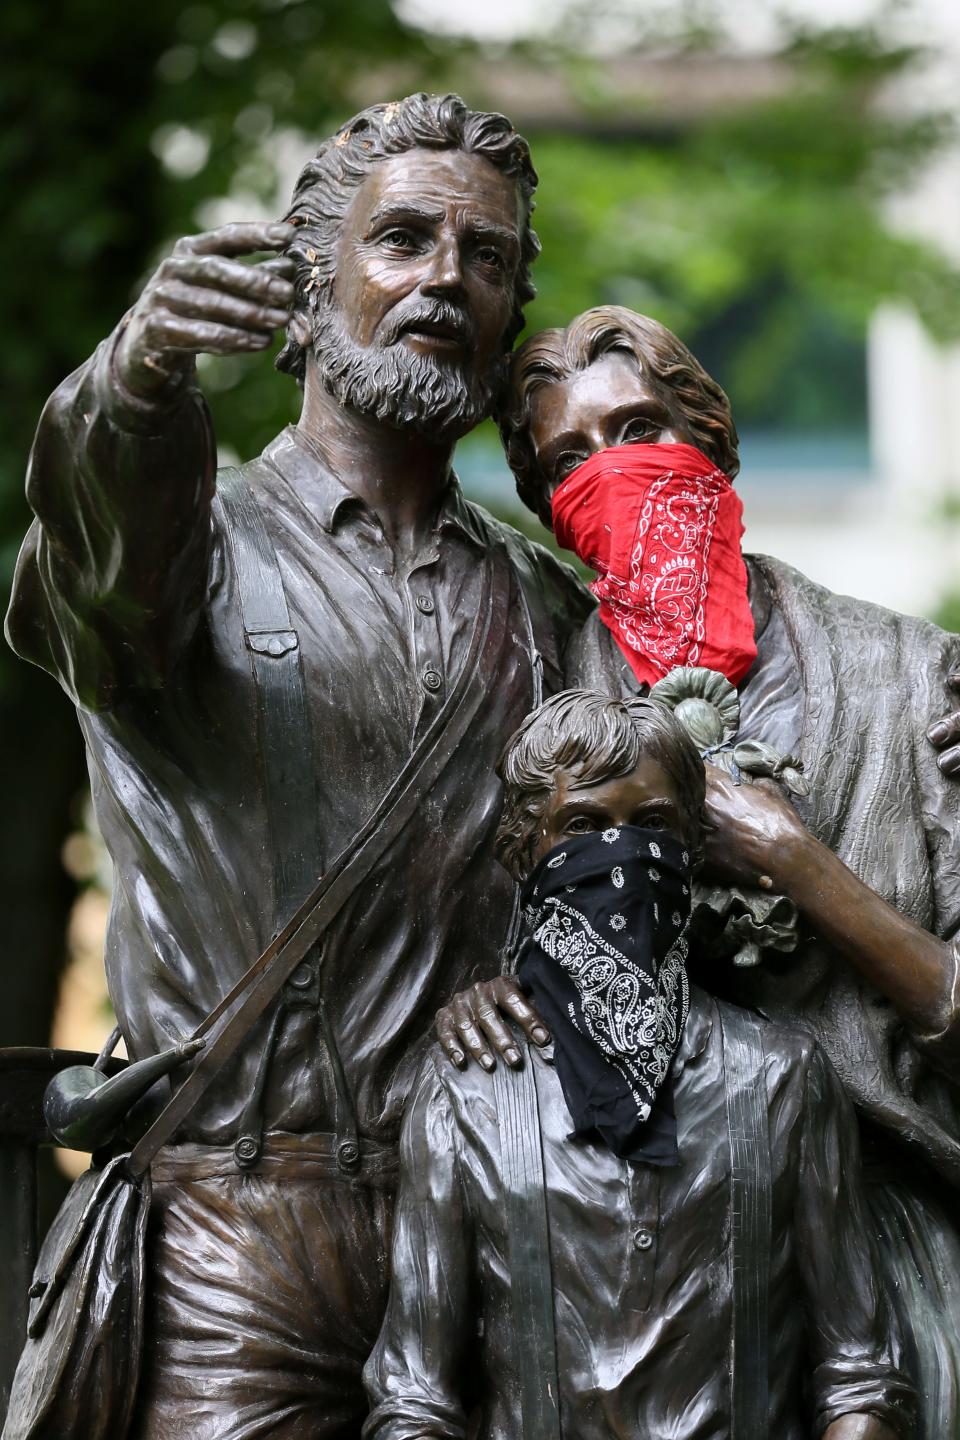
<point x="121" y="129"/>
<point x="116" y="125"/>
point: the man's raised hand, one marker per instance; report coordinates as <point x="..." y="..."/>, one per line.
<point x="203" y="298"/>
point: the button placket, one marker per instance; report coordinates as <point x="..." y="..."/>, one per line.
<point x="645" y="1183"/>
<point x="426" y="634"/>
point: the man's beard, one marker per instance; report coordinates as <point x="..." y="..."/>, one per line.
<point x="439" y="399"/>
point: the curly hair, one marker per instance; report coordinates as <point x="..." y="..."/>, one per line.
<point x="329" y="181"/>
<point x="604" y="739"/>
<point x="555" y="355"/>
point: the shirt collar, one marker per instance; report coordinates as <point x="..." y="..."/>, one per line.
<point x="697" y="1030"/>
<point x="301" y="464"/>
<point x="457" y="514"/>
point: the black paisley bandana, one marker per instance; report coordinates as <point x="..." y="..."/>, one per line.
<point x="605" y="964"/>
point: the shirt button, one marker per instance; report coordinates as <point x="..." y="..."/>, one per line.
<point x="302" y="977"/>
<point x="642" y="1239"/>
<point x="425" y="605"/>
<point x="432" y="679"/>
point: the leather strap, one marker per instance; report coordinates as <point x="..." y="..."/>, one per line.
<point x="249" y="998"/>
<point x="751" y="1210"/>
<point x="284" y="745"/>
<point x="508" y="950"/>
<point x="528" y="1231"/>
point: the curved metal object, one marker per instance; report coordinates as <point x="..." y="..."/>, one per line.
<point x="84" y="1109"/>
<point x="706" y="704"/>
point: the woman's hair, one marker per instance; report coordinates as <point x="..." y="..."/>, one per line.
<point x="604" y="739"/>
<point x="555" y="355"/>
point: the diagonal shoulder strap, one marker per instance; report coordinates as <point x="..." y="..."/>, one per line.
<point x="249" y="998"/>
<point x="528" y="1232"/>
<point x="751" y="1221"/>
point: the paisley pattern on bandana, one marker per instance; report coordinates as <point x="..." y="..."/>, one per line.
<point x="662" y="526"/>
<point x="635" y="1018"/>
<point x="605" y="963"/>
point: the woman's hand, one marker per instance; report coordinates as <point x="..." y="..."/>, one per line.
<point x="753" y="830"/>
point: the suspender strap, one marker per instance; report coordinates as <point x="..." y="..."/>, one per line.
<point x="283" y="722"/>
<point x="751" y="1222"/>
<point x="531" y="1276"/>
<point x="283" y="745"/>
<point x="508" y="950"/>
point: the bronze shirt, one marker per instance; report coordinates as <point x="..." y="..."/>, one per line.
<point x="125" y="592"/>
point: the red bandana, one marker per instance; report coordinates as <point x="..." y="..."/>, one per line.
<point x="661" y="526"/>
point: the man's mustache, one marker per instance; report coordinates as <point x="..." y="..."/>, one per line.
<point x="439" y="318"/>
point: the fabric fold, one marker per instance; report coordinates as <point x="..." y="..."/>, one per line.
<point x="662" y="526"/>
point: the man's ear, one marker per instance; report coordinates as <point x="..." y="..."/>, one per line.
<point x="299" y="329"/>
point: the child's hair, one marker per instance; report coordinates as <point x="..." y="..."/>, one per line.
<point x="555" y="355"/>
<point x="604" y="738"/>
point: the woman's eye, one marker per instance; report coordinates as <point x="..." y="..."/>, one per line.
<point x="640" y="431"/>
<point x="565" y="464"/>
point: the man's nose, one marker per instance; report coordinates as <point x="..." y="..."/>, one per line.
<point x="446" y="269"/>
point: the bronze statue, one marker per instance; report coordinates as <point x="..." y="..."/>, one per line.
<point x="308" y="667"/>
<point x="657" y="1309"/>
<point x="870" y="856"/>
<point x="255" y="663"/>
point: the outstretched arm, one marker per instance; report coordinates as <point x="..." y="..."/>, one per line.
<point x="758" y="837"/>
<point x="122" y="470"/>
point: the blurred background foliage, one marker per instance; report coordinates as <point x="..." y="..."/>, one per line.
<point x="754" y="227"/>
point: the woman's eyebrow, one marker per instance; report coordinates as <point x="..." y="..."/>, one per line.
<point x="648" y="405"/>
<point x="555" y="444"/>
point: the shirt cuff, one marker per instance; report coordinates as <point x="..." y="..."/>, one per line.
<point x="947" y="1040"/>
<point x="410" y="1419"/>
<point x="138" y="414"/>
<point x="851" y="1388"/>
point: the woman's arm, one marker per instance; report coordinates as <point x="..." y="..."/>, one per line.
<point x="757" y="836"/>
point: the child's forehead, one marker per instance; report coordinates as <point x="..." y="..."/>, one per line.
<point x="583" y="780"/>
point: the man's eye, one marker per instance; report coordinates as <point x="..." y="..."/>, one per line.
<point x="399" y="239"/>
<point x="580" y="825"/>
<point x="487" y="255"/>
